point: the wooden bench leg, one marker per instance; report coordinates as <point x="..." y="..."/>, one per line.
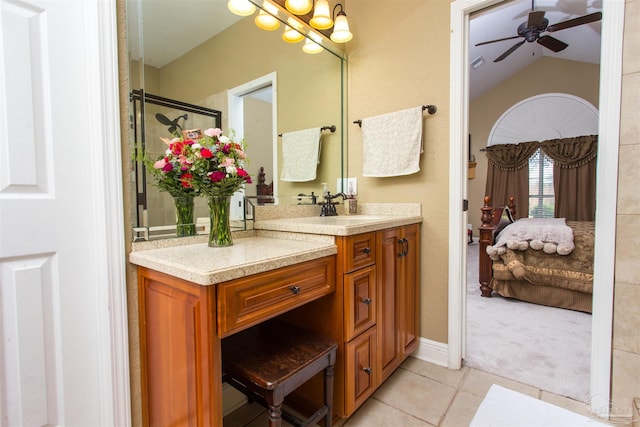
<point x="328" y="395"/>
<point x="275" y="401"/>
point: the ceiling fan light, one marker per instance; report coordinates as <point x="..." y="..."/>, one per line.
<point x="341" y="33"/>
<point x="241" y="7"/>
<point x="299" y="7"/>
<point x="292" y="32"/>
<point x="321" y="16"/>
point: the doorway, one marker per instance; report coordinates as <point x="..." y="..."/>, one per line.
<point x="253" y="115"/>
<point x="610" y="84"/>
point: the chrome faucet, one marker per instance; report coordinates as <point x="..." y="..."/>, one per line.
<point x="329" y="207"/>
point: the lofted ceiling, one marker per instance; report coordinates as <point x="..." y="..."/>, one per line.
<point x="502" y="21"/>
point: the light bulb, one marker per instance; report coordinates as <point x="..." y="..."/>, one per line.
<point x="321" y="16"/>
<point x="266" y="21"/>
<point x="298" y="7"/>
<point x="241" y="7"/>
<point x="341" y="33"/>
<point x="291" y="33"/>
<point x="311" y="46"/>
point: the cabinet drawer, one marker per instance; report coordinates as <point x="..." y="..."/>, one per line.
<point x="361" y="378"/>
<point x="244" y="302"/>
<point x="360" y="301"/>
<point x="359" y="251"/>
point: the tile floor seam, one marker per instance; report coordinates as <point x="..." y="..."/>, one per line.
<point x="404" y="412"/>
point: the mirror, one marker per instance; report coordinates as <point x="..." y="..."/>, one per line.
<point x="194" y="64"/>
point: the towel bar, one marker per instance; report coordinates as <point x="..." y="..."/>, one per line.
<point x="431" y="109"/>
<point x="331" y="128"/>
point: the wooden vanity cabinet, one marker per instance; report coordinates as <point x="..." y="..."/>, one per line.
<point x="182" y="324"/>
<point x="398" y="252"/>
<point x="374" y="313"/>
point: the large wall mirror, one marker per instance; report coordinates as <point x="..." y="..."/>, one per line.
<point x="194" y="64"/>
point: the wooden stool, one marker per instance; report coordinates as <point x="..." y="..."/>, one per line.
<point x="270" y="360"/>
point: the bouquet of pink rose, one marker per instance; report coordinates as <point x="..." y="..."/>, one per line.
<point x="212" y="165"/>
<point x="220" y="169"/>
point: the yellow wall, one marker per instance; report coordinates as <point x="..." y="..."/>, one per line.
<point x="546" y="75"/>
<point x="399" y="58"/>
<point x="308" y="89"/>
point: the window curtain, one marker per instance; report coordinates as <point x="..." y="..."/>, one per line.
<point x="508" y="174"/>
<point x="574" y="176"/>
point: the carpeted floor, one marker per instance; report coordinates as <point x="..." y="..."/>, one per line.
<point x="545" y="347"/>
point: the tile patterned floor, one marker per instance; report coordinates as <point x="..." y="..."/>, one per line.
<point x="421" y="394"/>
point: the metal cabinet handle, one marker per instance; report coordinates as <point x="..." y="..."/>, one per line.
<point x="367" y="370"/>
<point x="366" y="250"/>
<point x="366" y="301"/>
<point x="404" y="247"/>
<point x="294" y="289"/>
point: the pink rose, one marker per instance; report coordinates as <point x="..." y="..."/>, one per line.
<point x="228" y="161"/>
<point x="160" y="164"/>
<point x="213" y="132"/>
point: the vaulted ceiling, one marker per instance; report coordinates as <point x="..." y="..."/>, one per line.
<point x="502" y="21"/>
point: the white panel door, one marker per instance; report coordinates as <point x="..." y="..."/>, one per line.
<point x="56" y="350"/>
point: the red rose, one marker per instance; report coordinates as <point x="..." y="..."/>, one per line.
<point x="243" y="174"/>
<point x="185" y="180"/>
<point x="217" y="176"/>
<point x="206" y="153"/>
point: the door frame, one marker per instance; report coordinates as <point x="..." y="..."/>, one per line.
<point x="236" y="112"/>
<point x="606" y="189"/>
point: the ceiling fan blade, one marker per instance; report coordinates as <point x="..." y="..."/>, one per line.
<point x="586" y="19"/>
<point x="536" y="19"/>
<point x="498" y="40"/>
<point x="509" y="52"/>
<point x="552" y="43"/>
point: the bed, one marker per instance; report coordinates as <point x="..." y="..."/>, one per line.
<point x="563" y="278"/>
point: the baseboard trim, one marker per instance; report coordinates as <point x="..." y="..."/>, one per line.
<point x="432" y="352"/>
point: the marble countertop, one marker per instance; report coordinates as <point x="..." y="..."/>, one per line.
<point x="342" y="225"/>
<point x="203" y="265"/>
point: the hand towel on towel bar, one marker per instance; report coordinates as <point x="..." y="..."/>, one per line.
<point x="392" y="143"/>
<point x="300" y="155"/>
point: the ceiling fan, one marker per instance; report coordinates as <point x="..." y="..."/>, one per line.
<point x="536" y="25"/>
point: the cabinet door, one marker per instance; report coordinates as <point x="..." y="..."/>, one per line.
<point x="388" y="250"/>
<point x="180" y="354"/>
<point x="361" y="376"/>
<point x="359" y="301"/>
<point x="410" y="290"/>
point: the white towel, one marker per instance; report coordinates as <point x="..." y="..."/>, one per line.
<point x="392" y="143"/>
<point x="300" y="155"/>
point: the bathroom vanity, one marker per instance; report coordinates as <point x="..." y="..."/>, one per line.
<point x="352" y="278"/>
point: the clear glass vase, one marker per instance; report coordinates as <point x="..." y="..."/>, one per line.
<point x="220" y="229"/>
<point x="185" y="226"/>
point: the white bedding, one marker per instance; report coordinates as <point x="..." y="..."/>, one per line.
<point x="552" y="235"/>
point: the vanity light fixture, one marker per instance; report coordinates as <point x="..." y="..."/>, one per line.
<point x="341" y="33"/>
<point x="266" y="20"/>
<point x="321" y="16"/>
<point x="313" y="44"/>
<point x="299" y="7"/>
<point x="292" y="31"/>
<point x="241" y="7"/>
